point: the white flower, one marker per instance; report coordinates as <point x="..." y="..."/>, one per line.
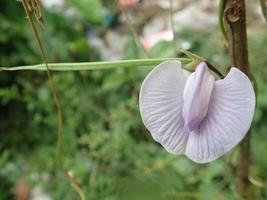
<point x="193" y="114"/>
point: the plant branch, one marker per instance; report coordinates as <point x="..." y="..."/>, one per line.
<point x="235" y="18"/>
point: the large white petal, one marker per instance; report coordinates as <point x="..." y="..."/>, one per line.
<point x="161" y="102"/>
<point x="229" y="117"/>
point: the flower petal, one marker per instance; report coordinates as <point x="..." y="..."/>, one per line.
<point x="161" y="102"/>
<point x="229" y="117"/>
<point x="197" y="93"/>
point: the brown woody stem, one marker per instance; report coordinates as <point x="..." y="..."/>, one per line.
<point x="235" y="21"/>
<point x="215" y="70"/>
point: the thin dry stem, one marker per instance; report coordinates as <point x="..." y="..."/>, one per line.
<point x="50" y="78"/>
<point x="72" y="179"/>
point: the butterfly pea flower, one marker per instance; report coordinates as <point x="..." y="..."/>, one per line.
<point x="194" y="114"/>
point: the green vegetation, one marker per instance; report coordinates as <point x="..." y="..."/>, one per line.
<point x="104" y="141"/>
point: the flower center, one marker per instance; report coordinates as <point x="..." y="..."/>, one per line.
<point x="196" y="96"/>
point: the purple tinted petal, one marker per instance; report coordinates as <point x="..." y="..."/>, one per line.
<point x="197" y="93"/>
<point x="229" y="117"/>
<point x="161" y="101"/>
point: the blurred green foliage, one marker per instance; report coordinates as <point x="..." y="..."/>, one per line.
<point x="90" y="9"/>
<point x="105" y="143"/>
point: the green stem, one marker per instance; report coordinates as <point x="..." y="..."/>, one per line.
<point x="95" y="65"/>
<point x="221" y="19"/>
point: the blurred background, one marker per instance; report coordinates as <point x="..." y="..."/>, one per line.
<point x="105" y="143"/>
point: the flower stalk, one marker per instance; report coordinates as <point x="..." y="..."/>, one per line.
<point x="196" y="60"/>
